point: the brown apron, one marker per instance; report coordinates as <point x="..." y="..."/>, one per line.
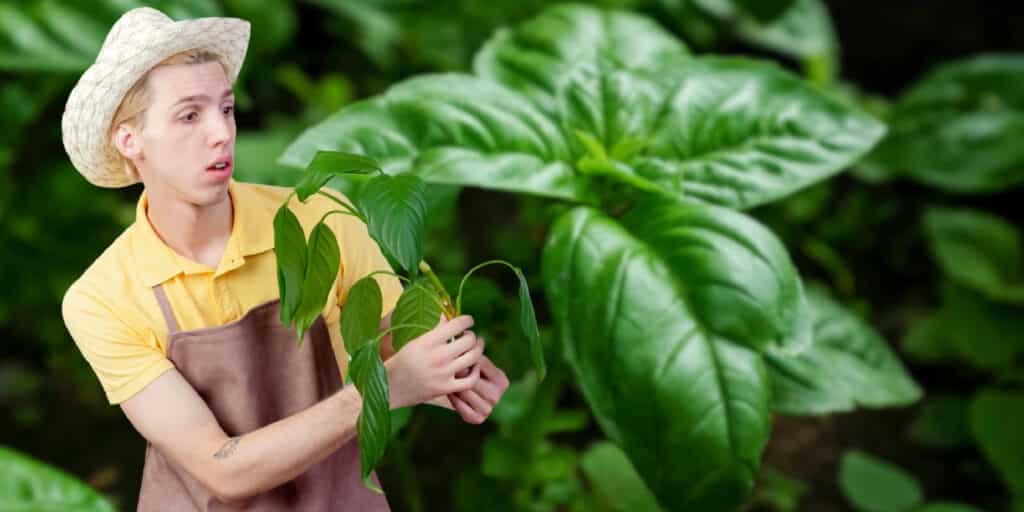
<point x="250" y="373"/>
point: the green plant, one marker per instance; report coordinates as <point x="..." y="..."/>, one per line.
<point x="393" y="208"/>
<point x="874" y="485"/>
<point x="667" y="299"/>
<point x="29" y="485"/>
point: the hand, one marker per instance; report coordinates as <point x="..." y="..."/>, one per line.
<point x="476" y="404"/>
<point x="426" y="367"/>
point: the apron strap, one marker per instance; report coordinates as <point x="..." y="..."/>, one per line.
<point x="165" y="308"/>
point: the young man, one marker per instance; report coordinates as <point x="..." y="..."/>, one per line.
<point x="179" y="317"/>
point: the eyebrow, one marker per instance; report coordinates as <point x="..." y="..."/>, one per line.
<point x="200" y="98"/>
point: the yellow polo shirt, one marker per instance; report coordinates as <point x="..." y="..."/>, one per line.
<point x="113" y="316"/>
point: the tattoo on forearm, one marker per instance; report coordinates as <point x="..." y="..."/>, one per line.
<point x="228" y="448"/>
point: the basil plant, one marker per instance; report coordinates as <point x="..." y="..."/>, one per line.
<point x="683" y="319"/>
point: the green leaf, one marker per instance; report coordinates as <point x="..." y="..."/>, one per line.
<point x="996" y="418"/>
<point x="727" y="131"/>
<point x="978" y="250"/>
<point x="874" y="485"/>
<point x="849" y="364"/>
<point x="373" y="426"/>
<point x="417" y="308"/>
<point x="322" y="261"/>
<point x="613" y="477"/>
<point x="361" y="314"/>
<point x="942" y="423"/>
<point x="959" y="127"/>
<point x="528" y="321"/>
<point x="779" y="491"/>
<point x="290" y="248"/>
<point x="741" y="133"/>
<point x="537" y="56"/>
<point x="659" y="317"/>
<point x="29" y="485"/>
<point x="983" y="333"/>
<point x="395" y="207"/>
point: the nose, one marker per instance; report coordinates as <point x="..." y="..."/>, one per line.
<point x="221" y="129"/>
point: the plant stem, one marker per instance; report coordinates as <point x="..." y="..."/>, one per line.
<point x="351" y="211"/>
<point x="449" y="309"/>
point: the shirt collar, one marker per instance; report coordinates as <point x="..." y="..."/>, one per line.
<point x="251" y="233"/>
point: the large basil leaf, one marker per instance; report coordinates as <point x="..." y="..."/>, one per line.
<point x="453" y="129"/>
<point x="874" y="485"/>
<point x="740" y="133"/>
<point x="322" y="260"/>
<point x="373" y="426"/>
<point x="360" y="316"/>
<point x="996" y="419"/>
<point x="978" y="250"/>
<point x="848" y="364"/>
<point x="394" y="208"/>
<point x="31" y="486"/>
<point x="803" y="28"/>
<point x="658" y="316"/>
<point x="577" y="84"/>
<point x="959" y="127"/>
<point x="417" y="308"/>
<point x="290" y="248"/>
<point x="538" y="58"/>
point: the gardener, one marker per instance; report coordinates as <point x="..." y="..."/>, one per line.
<point x="179" y="317"/>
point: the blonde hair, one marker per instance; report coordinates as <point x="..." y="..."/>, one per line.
<point x="135" y="102"/>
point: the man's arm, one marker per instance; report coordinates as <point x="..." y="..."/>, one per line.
<point x="171" y="415"/>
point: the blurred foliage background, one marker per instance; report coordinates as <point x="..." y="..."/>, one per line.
<point x="922" y="239"/>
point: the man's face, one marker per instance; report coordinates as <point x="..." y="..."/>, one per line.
<point x="189" y="126"/>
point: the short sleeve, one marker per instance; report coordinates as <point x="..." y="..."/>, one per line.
<point x="360" y="255"/>
<point x="123" y="359"/>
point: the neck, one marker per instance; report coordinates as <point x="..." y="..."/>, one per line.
<point x="197" y="232"/>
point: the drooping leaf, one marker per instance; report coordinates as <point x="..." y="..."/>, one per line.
<point x="615" y="480"/>
<point x="978" y="250"/>
<point x="659" y="317"/>
<point x="373" y="426"/>
<point x="958" y="128"/>
<point x="394" y="207"/>
<point x="727" y="131"/>
<point x="996" y="418"/>
<point x="328" y="164"/>
<point x="361" y="314"/>
<point x="874" y="485"/>
<point x="848" y="365"/>
<point x="29" y="485"/>
<point x="322" y="260"/>
<point x="528" y="321"/>
<point x="290" y="248"/>
<point x="417" y="308"/>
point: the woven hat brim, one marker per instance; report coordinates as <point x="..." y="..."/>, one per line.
<point x="128" y="53"/>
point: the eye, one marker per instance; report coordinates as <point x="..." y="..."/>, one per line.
<point x="191" y="116"/>
<point x="229" y="109"/>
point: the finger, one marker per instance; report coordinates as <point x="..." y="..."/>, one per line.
<point x="491" y="373"/>
<point x="468" y="341"/>
<point x="461" y="345"/>
<point x="477" y="402"/>
<point x="469" y="358"/>
<point x="487" y="389"/>
<point x="450" y="329"/>
<point x="468" y="382"/>
<point x="466" y="411"/>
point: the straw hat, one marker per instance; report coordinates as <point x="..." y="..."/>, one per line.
<point x="137" y="42"/>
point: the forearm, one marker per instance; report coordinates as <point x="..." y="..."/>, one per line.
<point x="280" y="452"/>
<point x="441" y="401"/>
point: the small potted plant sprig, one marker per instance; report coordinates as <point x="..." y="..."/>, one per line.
<point x="393" y="209"/>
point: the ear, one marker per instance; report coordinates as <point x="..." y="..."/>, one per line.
<point x="128" y="141"/>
